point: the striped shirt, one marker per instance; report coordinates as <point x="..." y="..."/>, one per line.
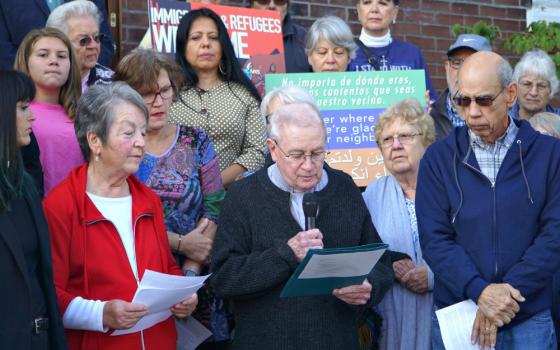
<point x="491" y="155"/>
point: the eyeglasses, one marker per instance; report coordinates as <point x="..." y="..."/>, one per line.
<point x="455" y="62"/>
<point x="165" y="93"/>
<point x="299" y="157"/>
<point x="87" y="39"/>
<point x="404" y="139"/>
<point x="482" y="101"/>
<point x="277" y="2"/>
<point x="527" y="85"/>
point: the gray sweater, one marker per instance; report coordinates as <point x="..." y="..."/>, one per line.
<point x="252" y="262"/>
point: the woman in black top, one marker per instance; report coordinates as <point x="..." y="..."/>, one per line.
<point x="28" y="308"/>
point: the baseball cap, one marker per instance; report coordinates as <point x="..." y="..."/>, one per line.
<point x="471" y="41"/>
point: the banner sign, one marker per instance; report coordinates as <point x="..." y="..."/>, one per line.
<point x="350" y="103"/>
<point x="256" y="35"/>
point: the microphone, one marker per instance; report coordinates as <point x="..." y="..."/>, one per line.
<point x="310" y="209"/>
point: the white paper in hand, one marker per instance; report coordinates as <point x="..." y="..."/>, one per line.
<point x="455" y="323"/>
<point x="159" y="292"/>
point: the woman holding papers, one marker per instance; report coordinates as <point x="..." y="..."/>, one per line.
<point x="180" y="165"/>
<point x="27" y="291"/>
<point x="330" y="45"/>
<point x="107" y="229"/>
<point x="403" y="133"/>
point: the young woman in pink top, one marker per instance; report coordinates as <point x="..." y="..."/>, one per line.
<point x="48" y="57"/>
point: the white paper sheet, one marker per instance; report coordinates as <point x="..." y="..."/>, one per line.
<point x="159" y="292"/>
<point x="190" y="334"/>
<point x="455" y="323"/>
<point x="341" y="265"/>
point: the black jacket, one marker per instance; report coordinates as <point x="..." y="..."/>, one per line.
<point x="15" y="292"/>
<point x="294" y="47"/>
<point x="439" y="114"/>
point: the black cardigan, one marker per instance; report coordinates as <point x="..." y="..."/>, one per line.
<point x="15" y="303"/>
<point x="252" y="262"/>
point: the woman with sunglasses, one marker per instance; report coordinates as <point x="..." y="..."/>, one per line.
<point x="378" y="50"/>
<point x="293" y="35"/>
<point x="217" y="96"/>
<point x="80" y="20"/>
<point x="28" y="295"/>
<point x="48" y="57"/>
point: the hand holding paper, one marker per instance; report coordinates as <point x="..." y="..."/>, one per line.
<point x="356" y="294"/>
<point x="186" y="307"/>
<point x="119" y="314"/>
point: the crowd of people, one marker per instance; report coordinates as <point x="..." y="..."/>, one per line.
<point x="181" y="167"/>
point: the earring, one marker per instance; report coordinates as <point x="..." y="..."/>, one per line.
<point x="97" y="157"/>
<point x="394" y="20"/>
<point x="222" y="68"/>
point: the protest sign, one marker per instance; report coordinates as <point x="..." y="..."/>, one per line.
<point x="350" y="103"/>
<point x="256" y="35"/>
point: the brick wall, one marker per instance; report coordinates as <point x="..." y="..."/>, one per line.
<point x="425" y="23"/>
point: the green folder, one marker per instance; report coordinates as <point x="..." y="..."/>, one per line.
<point x="299" y="285"/>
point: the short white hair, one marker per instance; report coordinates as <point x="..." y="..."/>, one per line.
<point x="302" y="115"/>
<point x="539" y="63"/>
<point x="334" y="30"/>
<point x="77" y="8"/>
<point x="287" y="95"/>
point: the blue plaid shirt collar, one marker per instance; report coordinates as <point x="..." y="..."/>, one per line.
<point x="452" y="114"/>
<point x="506" y="140"/>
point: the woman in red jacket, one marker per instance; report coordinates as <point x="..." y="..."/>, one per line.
<point x="107" y="229"/>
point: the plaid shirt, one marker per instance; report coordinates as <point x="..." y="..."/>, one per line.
<point x="490" y="156"/>
<point x="452" y="114"/>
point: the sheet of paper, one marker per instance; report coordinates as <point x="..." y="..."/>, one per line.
<point x="190" y="334"/>
<point x="341" y="265"/>
<point x="159" y="292"/>
<point x="455" y="323"/>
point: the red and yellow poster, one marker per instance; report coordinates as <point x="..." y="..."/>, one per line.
<point x="256" y="35"/>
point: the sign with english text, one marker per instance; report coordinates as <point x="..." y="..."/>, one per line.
<point x="350" y="104"/>
<point x="256" y="35"/>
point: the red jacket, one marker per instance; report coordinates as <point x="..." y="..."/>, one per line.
<point x="89" y="259"/>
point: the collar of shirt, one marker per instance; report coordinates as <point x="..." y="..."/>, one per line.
<point x="296" y="197"/>
<point x="505" y="140"/>
<point x="452" y="114"/>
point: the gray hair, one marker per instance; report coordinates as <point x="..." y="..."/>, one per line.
<point x="539" y="63"/>
<point x="547" y="121"/>
<point x="77" y="8"/>
<point x="408" y="111"/>
<point x="505" y="73"/>
<point x="96" y="108"/>
<point x="299" y="114"/>
<point x="287" y="95"/>
<point x="335" y="31"/>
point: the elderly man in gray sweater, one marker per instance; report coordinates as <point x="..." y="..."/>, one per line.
<point x="261" y="240"/>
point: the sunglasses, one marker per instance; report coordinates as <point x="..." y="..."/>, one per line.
<point x="482" y="101"/>
<point x="277" y="2"/>
<point x="86" y="40"/>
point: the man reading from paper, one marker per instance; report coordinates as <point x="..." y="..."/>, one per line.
<point x="261" y="240"/>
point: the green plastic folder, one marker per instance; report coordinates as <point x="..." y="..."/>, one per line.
<point x="340" y="272"/>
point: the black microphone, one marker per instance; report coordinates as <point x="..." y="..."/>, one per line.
<point x="310" y="210"/>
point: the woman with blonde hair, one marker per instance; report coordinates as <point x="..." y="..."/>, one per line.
<point x="47" y="55"/>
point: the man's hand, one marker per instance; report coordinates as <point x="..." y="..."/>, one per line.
<point x="483" y="332"/>
<point x="195" y="246"/>
<point x="498" y="302"/>
<point x="119" y="314"/>
<point x="305" y="240"/>
<point x="416" y="280"/>
<point x="355" y="295"/>
<point x="401" y="268"/>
